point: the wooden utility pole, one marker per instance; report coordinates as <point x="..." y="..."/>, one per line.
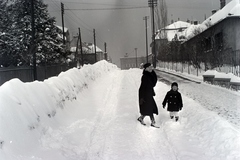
<point x="94" y="37"/>
<point x="33" y="49"/>
<point x="62" y="12"/>
<point x="76" y="53"/>
<point x="105" y="51"/>
<point x="145" y="18"/>
<point x="152" y="4"/>
<point x="136" y="58"/>
<point x="80" y="38"/>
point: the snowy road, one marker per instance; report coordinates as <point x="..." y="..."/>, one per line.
<point x="110" y="130"/>
<point x="91" y="114"/>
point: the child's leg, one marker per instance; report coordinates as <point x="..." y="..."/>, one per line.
<point x="171" y="115"/>
<point x="142" y="117"/>
<point x="176" y="116"/>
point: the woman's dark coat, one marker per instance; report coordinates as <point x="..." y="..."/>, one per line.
<point x="174" y="100"/>
<point x="147" y="104"/>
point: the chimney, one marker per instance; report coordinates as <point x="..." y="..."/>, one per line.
<point x="195" y="22"/>
<point x="222" y="3"/>
<point x="213" y="12"/>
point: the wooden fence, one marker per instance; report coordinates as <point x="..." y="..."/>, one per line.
<point x="25" y="73"/>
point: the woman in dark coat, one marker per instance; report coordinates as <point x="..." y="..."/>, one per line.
<point x="147" y="103"/>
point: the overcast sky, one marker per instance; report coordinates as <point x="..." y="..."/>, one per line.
<point x="123" y="29"/>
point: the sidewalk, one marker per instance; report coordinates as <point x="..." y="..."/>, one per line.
<point x="190" y="77"/>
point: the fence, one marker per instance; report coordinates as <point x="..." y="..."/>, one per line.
<point x="25" y="73"/>
<point x="190" y="69"/>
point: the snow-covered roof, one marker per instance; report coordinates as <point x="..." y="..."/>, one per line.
<point x="60" y="27"/>
<point x="230" y="10"/>
<point x="179" y="28"/>
<point x="73" y="49"/>
<point x="178" y="24"/>
<point x="185" y="31"/>
<point x="91" y="47"/>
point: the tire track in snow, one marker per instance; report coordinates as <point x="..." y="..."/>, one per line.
<point x="127" y="138"/>
<point x="105" y="117"/>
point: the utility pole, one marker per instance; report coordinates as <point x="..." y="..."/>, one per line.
<point x="80" y="38"/>
<point x="94" y="37"/>
<point x="152" y="4"/>
<point x="62" y="12"/>
<point x="145" y="18"/>
<point x="76" y="53"/>
<point x="136" y="58"/>
<point x="105" y="51"/>
<point x="33" y="49"/>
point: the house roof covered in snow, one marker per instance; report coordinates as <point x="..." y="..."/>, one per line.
<point x="230" y="10"/>
<point x="60" y="27"/>
<point x="91" y="47"/>
<point x="185" y="31"/>
<point x="85" y="48"/>
<point x="180" y="29"/>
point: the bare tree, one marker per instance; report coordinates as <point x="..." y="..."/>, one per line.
<point x="161" y="15"/>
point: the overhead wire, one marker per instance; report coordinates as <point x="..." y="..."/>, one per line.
<point x="104" y="4"/>
<point x="84" y="25"/>
<point x="99" y="9"/>
<point x="89" y="31"/>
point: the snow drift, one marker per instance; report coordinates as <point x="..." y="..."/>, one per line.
<point x="26" y="109"/>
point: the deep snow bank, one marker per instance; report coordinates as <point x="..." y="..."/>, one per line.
<point x="27" y="108"/>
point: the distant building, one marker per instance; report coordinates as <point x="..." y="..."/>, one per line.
<point x="133" y="62"/>
<point x="88" y="52"/>
<point x="99" y="52"/>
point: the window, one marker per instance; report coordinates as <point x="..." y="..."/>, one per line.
<point x="219" y="40"/>
<point x="208" y="43"/>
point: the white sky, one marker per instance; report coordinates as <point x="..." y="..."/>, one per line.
<point x="92" y="113"/>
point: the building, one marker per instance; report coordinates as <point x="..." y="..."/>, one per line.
<point x="133" y="62"/>
<point x="88" y="56"/>
<point x="218" y="42"/>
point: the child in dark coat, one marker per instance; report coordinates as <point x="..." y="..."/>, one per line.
<point x="174" y="100"/>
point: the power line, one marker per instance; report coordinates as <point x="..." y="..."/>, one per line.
<point x="79" y="19"/>
<point x="87" y="3"/>
<point x="58" y="7"/>
<point x="95" y="9"/>
<point x="79" y="24"/>
<point x="76" y="20"/>
<point x="100" y="39"/>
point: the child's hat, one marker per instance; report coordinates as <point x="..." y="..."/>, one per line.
<point x="174" y="84"/>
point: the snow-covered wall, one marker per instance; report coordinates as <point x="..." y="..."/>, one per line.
<point x="26" y="109"/>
